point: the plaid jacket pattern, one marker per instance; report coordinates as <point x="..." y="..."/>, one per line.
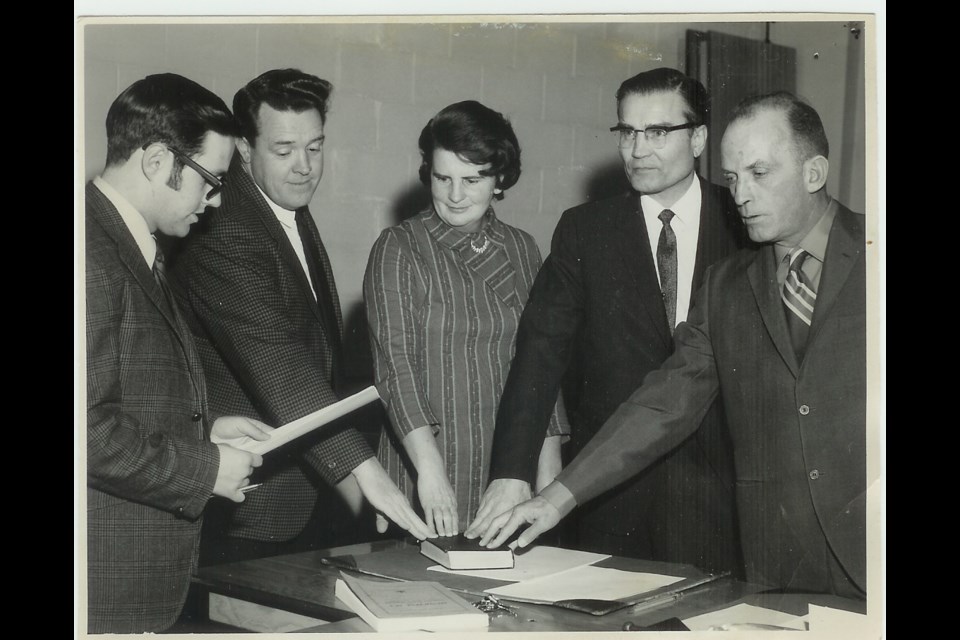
<point x="264" y="349"/>
<point x="150" y="465"/>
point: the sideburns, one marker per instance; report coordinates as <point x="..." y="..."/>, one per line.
<point x="176" y="175"/>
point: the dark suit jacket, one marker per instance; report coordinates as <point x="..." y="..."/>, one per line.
<point x="597" y="301"/>
<point x="265" y="351"/>
<point x="150" y="465"/>
<point x="798" y="428"/>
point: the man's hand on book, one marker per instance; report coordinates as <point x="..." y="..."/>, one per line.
<point x="502" y="495"/>
<point x="387" y="499"/>
<point x="538" y="513"/>
<point x="438" y="500"/>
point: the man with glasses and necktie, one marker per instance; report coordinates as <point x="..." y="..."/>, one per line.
<point x="152" y="464"/>
<point x="778" y="332"/>
<point x="619" y="278"/>
<point x="257" y="288"/>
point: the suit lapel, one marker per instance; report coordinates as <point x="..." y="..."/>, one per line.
<point x="334" y="298"/>
<point x="249" y="196"/>
<point x="633" y="244"/>
<point x="132" y="258"/>
<point x="762" y="273"/>
<point x="844" y="247"/>
<point x="706" y="231"/>
<point x="130" y="255"/>
<point x="713" y="241"/>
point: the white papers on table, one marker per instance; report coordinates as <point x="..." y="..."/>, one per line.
<point x="532" y="563"/>
<point x="586" y="582"/>
<point x="843" y="623"/>
<point x="302" y="426"/>
<point x="744" y="614"/>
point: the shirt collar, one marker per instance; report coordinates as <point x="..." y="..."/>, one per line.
<point x="286" y="217"/>
<point x="815" y="242"/>
<point x="450" y="237"/>
<point x="132" y="218"/>
<point x="686" y="209"/>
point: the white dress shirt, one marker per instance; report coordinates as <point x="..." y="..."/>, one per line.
<point x="288" y="220"/>
<point x="686" y="227"/>
<point x="132" y="218"/>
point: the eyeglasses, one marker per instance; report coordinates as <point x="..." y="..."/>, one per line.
<point x="216" y="184"/>
<point x="655" y="136"/>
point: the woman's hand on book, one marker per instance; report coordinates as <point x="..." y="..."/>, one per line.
<point x="438" y="500"/>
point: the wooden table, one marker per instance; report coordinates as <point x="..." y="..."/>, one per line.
<point x="301" y="584"/>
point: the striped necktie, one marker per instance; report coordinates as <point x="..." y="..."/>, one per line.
<point x="799" y="298"/>
<point x="667" y="267"/>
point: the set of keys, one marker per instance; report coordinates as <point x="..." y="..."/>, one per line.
<point x="493" y="604"/>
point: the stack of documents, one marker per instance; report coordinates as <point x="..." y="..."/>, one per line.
<point x="567" y="578"/>
<point x="408" y="606"/>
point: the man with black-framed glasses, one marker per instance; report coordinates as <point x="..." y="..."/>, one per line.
<point x="619" y="278"/>
<point x="215" y="183"/>
<point x="156" y="451"/>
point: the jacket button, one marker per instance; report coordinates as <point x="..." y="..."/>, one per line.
<point x="804" y="409"/>
<point x="196" y="416"/>
<point x="155" y="439"/>
<point x="814" y="474"/>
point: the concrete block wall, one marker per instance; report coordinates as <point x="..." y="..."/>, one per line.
<point x="555" y="81"/>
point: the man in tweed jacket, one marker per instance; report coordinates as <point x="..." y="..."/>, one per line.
<point x="151" y="465"/>
<point x="257" y="286"/>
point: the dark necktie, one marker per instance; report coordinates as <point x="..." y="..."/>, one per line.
<point x="799" y="298"/>
<point x="667" y="266"/>
<point x="314" y="255"/>
<point x="159" y="274"/>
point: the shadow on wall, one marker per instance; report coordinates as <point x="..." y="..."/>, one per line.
<point x="411" y="201"/>
<point x="606" y="180"/>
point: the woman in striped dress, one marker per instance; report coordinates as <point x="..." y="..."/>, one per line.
<point x="444" y="292"/>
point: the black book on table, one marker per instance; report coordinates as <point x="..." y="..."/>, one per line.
<point x="457" y="552"/>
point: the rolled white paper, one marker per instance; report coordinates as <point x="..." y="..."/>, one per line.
<point x="302" y="426"/>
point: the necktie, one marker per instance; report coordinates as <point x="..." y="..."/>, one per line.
<point x="321" y="286"/>
<point x="667" y="266"/>
<point x="159" y="274"/>
<point x="799" y="298"/>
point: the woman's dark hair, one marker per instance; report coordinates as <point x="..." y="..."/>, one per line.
<point x="476" y="134"/>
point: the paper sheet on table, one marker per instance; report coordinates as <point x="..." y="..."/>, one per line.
<point x="843" y="623"/>
<point x="597" y="583"/>
<point x="533" y="563"/>
<point x="306" y="424"/>
<point x="744" y="614"/>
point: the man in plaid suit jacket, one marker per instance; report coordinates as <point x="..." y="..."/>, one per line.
<point x="258" y="290"/>
<point x="151" y="465"/>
